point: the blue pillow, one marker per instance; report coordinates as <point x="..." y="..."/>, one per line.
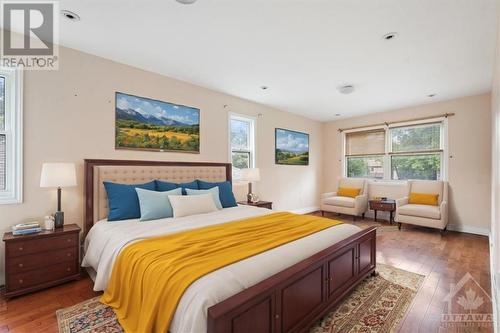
<point x="167" y="186"/>
<point x="155" y="205"/>
<point x="214" y="191"/>
<point x="122" y="200"/>
<point x="225" y="192"/>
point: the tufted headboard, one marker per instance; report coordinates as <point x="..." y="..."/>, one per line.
<point x="133" y="172"/>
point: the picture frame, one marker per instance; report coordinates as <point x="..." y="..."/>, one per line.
<point x="147" y="124"/>
<point x="291" y="147"/>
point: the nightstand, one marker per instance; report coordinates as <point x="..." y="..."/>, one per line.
<point x="41" y="260"/>
<point x="387" y="205"/>
<point x="261" y="204"/>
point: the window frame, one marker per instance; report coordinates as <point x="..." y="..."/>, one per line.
<point x="13" y="192"/>
<point x="388" y="147"/>
<point x="252" y="143"/>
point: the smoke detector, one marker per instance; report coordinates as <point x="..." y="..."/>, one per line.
<point x="346" y="89"/>
<point x="186" y="2"/>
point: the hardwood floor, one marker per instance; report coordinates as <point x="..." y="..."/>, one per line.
<point x="442" y="259"/>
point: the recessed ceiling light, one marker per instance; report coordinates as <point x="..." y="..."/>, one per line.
<point x="390" y="36"/>
<point x="70" y="15"/>
<point x="346" y="89"/>
<point x="431" y="95"/>
<point x="337" y="115"/>
<point x="264" y="87"/>
<point x="186" y="2"/>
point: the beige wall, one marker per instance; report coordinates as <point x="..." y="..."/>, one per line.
<point x="495" y="176"/>
<point x="69" y="116"/>
<point x="469" y="133"/>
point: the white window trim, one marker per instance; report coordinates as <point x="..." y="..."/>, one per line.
<point x="13" y="192"/>
<point x="388" y="144"/>
<point x="253" y="131"/>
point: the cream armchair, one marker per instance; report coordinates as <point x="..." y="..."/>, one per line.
<point x="424" y="215"/>
<point x="357" y="206"/>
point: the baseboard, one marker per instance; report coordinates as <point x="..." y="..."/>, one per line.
<point x="469" y="229"/>
<point x="305" y="210"/>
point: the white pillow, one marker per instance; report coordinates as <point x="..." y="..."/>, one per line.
<point x="185" y="205"/>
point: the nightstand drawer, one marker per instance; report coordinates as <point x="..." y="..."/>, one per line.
<point x="382" y="206"/>
<point x="24" y="247"/>
<point x="36" y="277"/>
<point x="34" y="261"/>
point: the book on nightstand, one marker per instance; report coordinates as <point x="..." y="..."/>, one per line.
<point x="26" y="228"/>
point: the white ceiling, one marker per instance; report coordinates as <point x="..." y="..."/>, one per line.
<point x="302" y="49"/>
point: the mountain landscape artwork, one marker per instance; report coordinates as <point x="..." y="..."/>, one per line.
<point x="147" y="124"/>
<point x="292" y="148"/>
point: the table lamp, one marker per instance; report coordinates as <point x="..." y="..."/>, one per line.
<point x="250" y="175"/>
<point x="58" y="175"/>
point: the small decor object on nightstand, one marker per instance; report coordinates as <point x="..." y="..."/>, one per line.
<point x="250" y="175"/>
<point x="58" y="175"/>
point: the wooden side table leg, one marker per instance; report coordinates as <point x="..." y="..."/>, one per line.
<point x="390" y="218"/>
<point x="375" y="215"/>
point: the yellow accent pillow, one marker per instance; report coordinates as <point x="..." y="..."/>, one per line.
<point x="423" y="199"/>
<point x="348" y="192"/>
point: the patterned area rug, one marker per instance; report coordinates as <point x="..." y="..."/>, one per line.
<point x="377" y="305"/>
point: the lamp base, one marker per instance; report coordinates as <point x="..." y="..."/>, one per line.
<point x="59" y="219"/>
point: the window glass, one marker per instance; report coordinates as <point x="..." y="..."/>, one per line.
<point x="2" y="162"/>
<point x="426" y="166"/>
<point x="416" y="138"/>
<point x="365" y="167"/>
<point x="2" y="103"/>
<point x="240" y="134"/>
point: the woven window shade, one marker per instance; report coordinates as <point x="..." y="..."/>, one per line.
<point x="365" y="143"/>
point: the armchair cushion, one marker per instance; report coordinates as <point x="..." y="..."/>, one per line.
<point x="348" y="192"/>
<point x="340" y="201"/>
<point x="426" y="211"/>
<point x="423" y="199"/>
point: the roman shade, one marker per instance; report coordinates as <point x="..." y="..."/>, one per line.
<point x="365" y="143"/>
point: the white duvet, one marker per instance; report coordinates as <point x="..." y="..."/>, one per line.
<point x="106" y="239"/>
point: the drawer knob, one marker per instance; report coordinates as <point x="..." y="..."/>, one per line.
<point x="68" y="269"/>
<point x="68" y="240"/>
<point x="21" y="265"/>
<point x="21" y="248"/>
<point x="21" y="281"/>
<point x="68" y="254"/>
<point x="277" y="316"/>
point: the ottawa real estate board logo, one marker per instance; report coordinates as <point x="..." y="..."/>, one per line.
<point x="30" y="34"/>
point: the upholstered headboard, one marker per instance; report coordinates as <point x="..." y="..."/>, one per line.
<point x="134" y="172"/>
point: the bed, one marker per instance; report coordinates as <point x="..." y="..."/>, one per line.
<point x="284" y="289"/>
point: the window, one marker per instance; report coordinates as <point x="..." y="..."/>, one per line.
<point x="416" y="152"/>
<point x="242" y="141"/>
<point x="365" y="154"/>
<point x="10" y="136"/>
<point x="412" y="151"/>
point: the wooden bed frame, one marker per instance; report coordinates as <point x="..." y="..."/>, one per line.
<point x="289" y="301"/>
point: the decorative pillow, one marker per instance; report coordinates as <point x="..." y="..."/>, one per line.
<point x="185" y="205"/>
<point x="122" y="200"/>
<point x="226" y="195"/>
<point x="430" y="199"/>
<point x="348" y="192"/>
<point x="214" y="191"/>
<point x="155" y="205"/>
<point x="167" y="186"/>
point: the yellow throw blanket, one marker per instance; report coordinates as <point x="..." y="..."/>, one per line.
<point x="150" y="276"/>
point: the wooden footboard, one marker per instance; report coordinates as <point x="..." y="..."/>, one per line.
<point x="294" y="299"/>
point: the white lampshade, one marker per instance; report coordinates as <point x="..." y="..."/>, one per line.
<point x="58" y="175"/>
<point x="250" y="175"/>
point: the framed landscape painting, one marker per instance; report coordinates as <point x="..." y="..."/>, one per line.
<point x="148" y="124"/>
<point x="292" y="148"/>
